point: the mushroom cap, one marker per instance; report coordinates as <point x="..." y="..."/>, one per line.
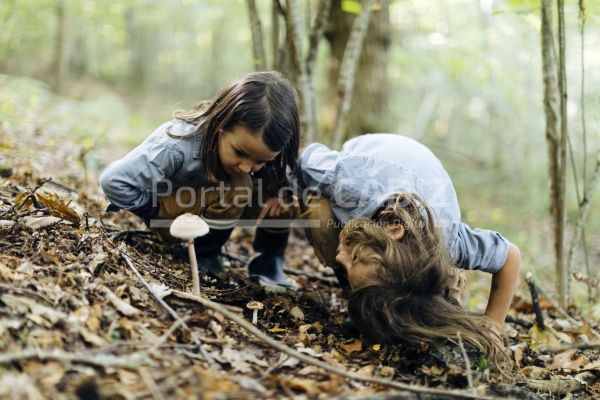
<point x="255" y="305"/>
<point x="188" y="226"/>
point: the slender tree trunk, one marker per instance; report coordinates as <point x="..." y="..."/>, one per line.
<point x="368" y="110"/>
<point x="258" y="47"/>
<point x="316" y="32"/>
<point x="61" y="59"/>
<point x="347" y="74"/>
<point x="298" y="64"/>
<point x="554" y="142"/>
<point x="564" y="133"/>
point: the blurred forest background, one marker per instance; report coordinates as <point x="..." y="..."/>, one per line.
<point x="462" y="76"/>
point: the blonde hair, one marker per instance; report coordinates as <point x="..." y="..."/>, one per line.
<point x="413" y="298"/>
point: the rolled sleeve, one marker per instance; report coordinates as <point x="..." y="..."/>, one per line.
<point x="479" y="249"/>
<point x="315" y="167"/>
<point x="129" y="182"/>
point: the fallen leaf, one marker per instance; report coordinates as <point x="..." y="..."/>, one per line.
<point x="40" y="222"/>
<point x="59" y="209"/>
<point x="308" y="386"/>
<point x="123" y="307"/>
<point x="297" y="313"/>
<point x="351" y="347"/>
<point x="541" y="338"/>
<point x="565" y="361"/>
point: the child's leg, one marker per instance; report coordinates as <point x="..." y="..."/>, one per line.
<point x="325" y="237"/>
<point x="270" y="242"/>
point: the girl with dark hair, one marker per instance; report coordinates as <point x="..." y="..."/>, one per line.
<point x="225" y="160"/>
<point x="389" y="225"/>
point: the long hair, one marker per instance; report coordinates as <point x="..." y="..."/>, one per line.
<point x="411" y="296"/>
<point x="263" y="102"/>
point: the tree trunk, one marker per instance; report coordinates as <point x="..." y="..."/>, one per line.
<point x="368" y="111"/>
<point x="258" y="46"/>
<point x="554" y="142"/>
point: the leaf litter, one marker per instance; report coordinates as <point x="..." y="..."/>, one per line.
<point x="76" y="323"/>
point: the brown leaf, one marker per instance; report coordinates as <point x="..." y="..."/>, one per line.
<point x="123" y="307"/>
<point x="566" y="361"/>
<point x="59" y="209"/>
<point x="308" y="386"/>
<point x="351" y="347"/>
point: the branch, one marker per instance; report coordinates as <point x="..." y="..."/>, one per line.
<point x="316" y="32"/>
<point x="320" y="364"/>
<point x="564" y="313"/>
<point x="260" y="60"/>
<point x="347" y="74"/>
<point x="166" y="306"/>
<point x="158" y="298"/>
<point x="130" y="361"/>
<point x="307" y="96"/>
<point x="582" y="212"/>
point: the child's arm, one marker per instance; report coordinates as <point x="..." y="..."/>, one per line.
<point x="504" y="283"/>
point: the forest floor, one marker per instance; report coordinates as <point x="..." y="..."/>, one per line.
<point x="76" y="321"/>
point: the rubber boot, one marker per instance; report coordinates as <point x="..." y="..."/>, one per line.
<point x="267" y="264"/>
<point x="208" y="249"/>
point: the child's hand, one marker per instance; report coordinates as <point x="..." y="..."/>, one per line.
<point x="273" y="208"/>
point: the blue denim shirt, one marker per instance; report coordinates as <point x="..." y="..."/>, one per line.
<point x="359" y="179"/>
<point x="164" y="162"/>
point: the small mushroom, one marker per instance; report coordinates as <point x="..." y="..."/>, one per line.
<point x="255" y="306"/>
<point x="187" y="227"/>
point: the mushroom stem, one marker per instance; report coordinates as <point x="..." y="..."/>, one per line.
<point x="254" y="316"/>
<point x="194" y="264"/>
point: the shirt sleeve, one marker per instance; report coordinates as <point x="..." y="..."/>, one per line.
<point x="479" y="249"/>
<point x="315" y="168"/>
<point x="129" y="182"/>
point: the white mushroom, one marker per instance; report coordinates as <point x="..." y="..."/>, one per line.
<point x="255" y="306"/>
<point x="187" y="227"/>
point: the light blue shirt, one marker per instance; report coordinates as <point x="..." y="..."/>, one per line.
<point x="164" y="162"/>
<point x="359" y="179"/>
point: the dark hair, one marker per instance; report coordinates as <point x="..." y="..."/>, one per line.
<point x="412" y="296"/>
<point x="263" y="102"/>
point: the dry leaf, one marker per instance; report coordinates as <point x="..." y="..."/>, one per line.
<point x="565" y="361"/>
<point x="297" y="313"/>
<point x="351" y="347"/>
<point x="123" y="307"/>
<point x="541" y="338"/>
<point x="307" y="386"/>
<point x="40" y="222"/>
<point x="59" y="209"/>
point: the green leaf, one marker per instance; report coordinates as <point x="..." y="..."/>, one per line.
<point x="351" y="6"/>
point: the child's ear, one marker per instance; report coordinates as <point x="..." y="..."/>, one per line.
<point x="395" y="231"/>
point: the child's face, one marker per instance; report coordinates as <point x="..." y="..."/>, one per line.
<point x="242" y="152"/>
<point x="360" y="273"/>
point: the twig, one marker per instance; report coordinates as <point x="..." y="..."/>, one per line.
<point x="148" y="379"/>
<point x="564" y="313"/>
<point x="167" y="307"/>
<point x="165" y="336"/>
<point x="131" y="361"/>
<point x="316" y="277"/>
<point x="467" y="362"/>
<point x="578" y="346"/>
<point x="190" y="296"/>
<point x="539" y="317"/>
<point x="332" y="281"/>
<point x="320" y="364"/>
